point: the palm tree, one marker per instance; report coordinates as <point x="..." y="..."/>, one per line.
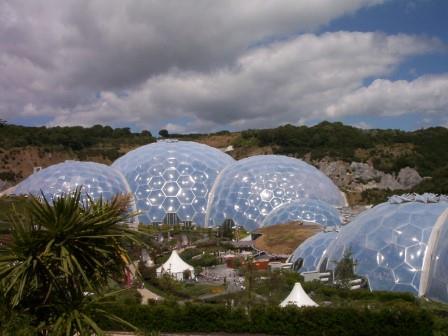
<point x="61" y="259"/>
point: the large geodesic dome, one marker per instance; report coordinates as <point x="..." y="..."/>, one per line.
<point x="96" y="179"/>
<point x="399" y="245"/>
<point x="308" y="256"/>
<point x="306" y="211"/>
<point x="248" y="190"/>
<point x="171" y="179"/>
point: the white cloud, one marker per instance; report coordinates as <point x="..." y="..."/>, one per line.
<point x="291" y="81"/>
<point x="193" y="66"/>
<point x="425" y="94"/>
<point x="56" y="55"/>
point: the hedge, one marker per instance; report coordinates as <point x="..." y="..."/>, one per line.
<point x="327" y="321"/>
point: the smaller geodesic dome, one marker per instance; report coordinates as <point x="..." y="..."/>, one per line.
<point x="249" y="189"/>
<point x="306" y="211"/>
<point x="309" y="255"/>
<point x="171" y="179"/>
<point x="96" y="179"/>
<point x="399" y="245"/>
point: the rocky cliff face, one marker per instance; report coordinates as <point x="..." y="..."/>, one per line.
<point x="358" y="176"/>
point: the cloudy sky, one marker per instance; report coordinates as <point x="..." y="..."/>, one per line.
<point x="207" y="65"/>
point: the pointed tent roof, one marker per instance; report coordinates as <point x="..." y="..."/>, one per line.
<point x="174" y="265"/>
<point x="298" y="297"/>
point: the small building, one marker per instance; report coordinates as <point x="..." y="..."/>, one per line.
<point x="176" y="267"/>
<point x="298" y="298"/>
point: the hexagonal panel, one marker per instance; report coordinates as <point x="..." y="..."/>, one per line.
<point x="170" y="174"/>
<point x="185" y="181"/>
<point x="170" y="188"/>
<point x="171" y="204"/>
<point x="156" y="197"/>
<point x="156" y="182"/>
<point x="391" y="256"/>
<point x="266" y="195"/>
<point x="199" y="190"/>
<point x="185" y="196"/>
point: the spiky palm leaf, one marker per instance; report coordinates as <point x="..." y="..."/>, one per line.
<point x="62" y="249"/>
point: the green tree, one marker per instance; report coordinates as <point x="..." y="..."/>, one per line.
<point x="61" y="259"/>
<point x="146" y="133"/>
<point x="226" y="230"/>
<point x="164" y="133"/>
<point x="250" y="278"/>
<point x="344" y="271"/>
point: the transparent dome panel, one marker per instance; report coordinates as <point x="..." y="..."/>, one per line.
<point x="389" y="243"/>
<point x="308" y="256"/>
<point x="251" y="188"/>
<point x="438" y="271"/>
<point x="304" y="210"/>
<point x="172" y="177"/>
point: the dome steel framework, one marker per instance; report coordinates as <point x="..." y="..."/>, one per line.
<point x="171" y="179"/>
<point x="248" y="190"/>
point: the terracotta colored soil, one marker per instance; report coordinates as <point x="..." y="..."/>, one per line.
<point x="284" y="238"/>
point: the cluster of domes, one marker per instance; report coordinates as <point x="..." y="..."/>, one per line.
<point x="400" y="245"/>
<point x="187" y="182"/>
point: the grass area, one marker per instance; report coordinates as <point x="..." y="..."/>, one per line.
<point x="284" y="238"/>
<point x="184" y="291"/>
<point x="7" y="205"/>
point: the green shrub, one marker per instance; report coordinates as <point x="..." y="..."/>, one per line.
<point x="207" y="318"/>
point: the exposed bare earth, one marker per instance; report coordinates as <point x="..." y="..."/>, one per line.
<point x="284" y="238"/>
<point x="21" y="161"/>
<point x="219" y="140"/>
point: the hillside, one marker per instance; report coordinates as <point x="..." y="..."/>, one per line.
<point x="367" y="164"/>
<point x="22" y="148"/>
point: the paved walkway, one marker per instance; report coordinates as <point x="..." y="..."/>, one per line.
<point x="148" y="295"/>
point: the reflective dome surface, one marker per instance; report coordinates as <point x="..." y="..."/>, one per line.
<point x="438" y="265"/>
<point x="250" y="189"/>
<point x="389" y="243"/>
<point x="312" y="250"/>
<point x="172" y="177"/>
<point x="304" y="210"/>
<point x="96" y="179"/>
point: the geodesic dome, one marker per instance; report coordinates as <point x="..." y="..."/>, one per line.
<point x="172" y="178"/>
<point x="399" y="245"/>
<point x="308" y="256"/>
<point x="248" y="190"/>
<point x="305" y="210"/>
<point x="96" y="179"/>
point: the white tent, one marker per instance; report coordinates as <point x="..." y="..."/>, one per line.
<point x="298" y="297"/>
<point x="175" y="267"/>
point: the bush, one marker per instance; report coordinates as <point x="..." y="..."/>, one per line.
<point x="208" y="318"/>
